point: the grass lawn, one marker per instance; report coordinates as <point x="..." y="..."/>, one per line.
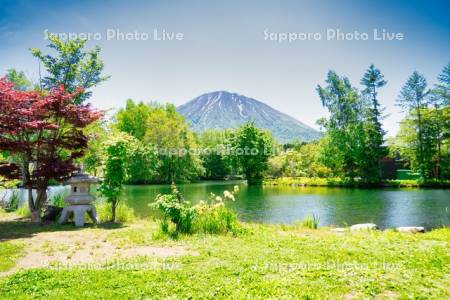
<point x="264" y="261"/>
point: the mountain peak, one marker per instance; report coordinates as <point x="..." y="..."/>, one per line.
<point x="223" y="110"/>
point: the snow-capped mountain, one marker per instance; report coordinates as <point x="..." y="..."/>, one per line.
<point x="222" y="110"/>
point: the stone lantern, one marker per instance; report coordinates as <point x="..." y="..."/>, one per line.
<point x="80" y="200"/>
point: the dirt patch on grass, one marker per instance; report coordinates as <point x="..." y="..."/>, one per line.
<point x="83" y="247"/>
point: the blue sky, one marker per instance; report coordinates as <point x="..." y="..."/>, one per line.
<point x="224" y="47"/>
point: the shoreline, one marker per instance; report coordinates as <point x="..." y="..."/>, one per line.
<point x="342" y="183"/>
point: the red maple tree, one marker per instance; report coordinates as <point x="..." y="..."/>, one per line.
<point x="43" y="133"/>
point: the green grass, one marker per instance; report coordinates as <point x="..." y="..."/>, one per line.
<point x="24" y="211"/>
<point x="10" y="252"/>
<point x="263" y="261"/>
<point x="124" y="213"/>
<point x="311" y="222"/>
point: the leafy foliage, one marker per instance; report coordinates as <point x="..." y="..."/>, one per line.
<point x="164" y="130"/>
<point x="72" y="67"/>
<point x="374" y="133"/>
<point x="115" y="172"/>
<point x="206" y="217"/>
<point x="176" y="210"/>
<point x="143" y="163"/>
<point x="344" y="145"/>
<point x="214" y="217"/>
<point x="353" y="145"/>
<point x="304" y="160"/>
<point x="413" y="98"/>
<point x="252" y="148"/>
<point x="22" y="83"/>
<point x="44" y="132"/>
<point x="423" y="136"/>
<point x="216" y="160"/>
<point x="124" y="213"/>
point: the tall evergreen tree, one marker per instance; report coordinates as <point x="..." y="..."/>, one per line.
<point x="413" y="98"/>
<point x="443" y="87"/>
<point x="440" y="101"/>
<point x="372" y="81"/>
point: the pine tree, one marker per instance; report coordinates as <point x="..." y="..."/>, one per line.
<point x="413" y="98"/>
<point x="372" y="81"/>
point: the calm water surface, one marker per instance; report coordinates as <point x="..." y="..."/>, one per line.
<point x="337" y="206"/>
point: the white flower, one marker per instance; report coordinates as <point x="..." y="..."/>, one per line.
<point x="228" y="195"/>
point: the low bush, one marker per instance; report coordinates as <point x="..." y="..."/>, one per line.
<point x="175" y="210"/>
<point x="179" y="216"/>
<point x="124" y="213"/>
<point x="214" y="217"/>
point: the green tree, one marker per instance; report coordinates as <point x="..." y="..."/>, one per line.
<point x="133" y="119"/>
<point x="165" y="131"/>
<point x="440" y="101"/>
<point x="252" y="148"/>
<point x="301" y="161"/>
<point x="94" y="157"/>
<point x="406" y="142"/>
<point x="374" y="150"/>
<point x="413" y="98"/>
<point x="175" y="142"/>
<point x="115" y="171"/>
<point x="72" y="66"/>
<point x="443" y="86"/>
<point x="344" y="144"/>
<point x="215" y="159"/>
<point x="143" y="163"/>
<point x="21" y="81"/>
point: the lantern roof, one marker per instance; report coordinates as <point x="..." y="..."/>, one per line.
<point x="81" y="177"/>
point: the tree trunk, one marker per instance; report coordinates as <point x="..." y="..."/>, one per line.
<point x="114" y="205"/>
<point x="35" y="213"/>
<point x="36" y="208"/>
<point x="36" y="216"/>
<point x="420" y="135"/>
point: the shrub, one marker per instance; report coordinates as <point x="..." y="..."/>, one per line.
<point x="213" y="217"/>
<point x="206" y="217"/>
<point x="176" y="210"/>
<point x="311" y="222"/>
<point x="124" y="213"/>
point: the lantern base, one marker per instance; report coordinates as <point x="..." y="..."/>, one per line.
<point x="79" y="214"/>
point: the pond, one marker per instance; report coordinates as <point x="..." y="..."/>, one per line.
<point x="334" y="206"/>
